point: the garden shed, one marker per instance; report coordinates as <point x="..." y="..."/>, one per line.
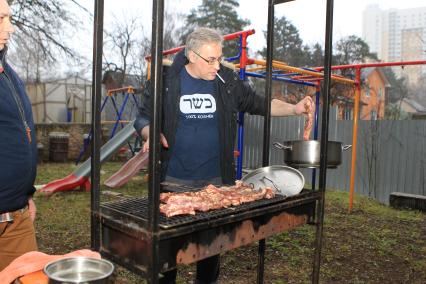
<point x="63" y="100"/>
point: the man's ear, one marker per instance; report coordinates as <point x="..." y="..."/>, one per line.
<point x="191" y="56"/>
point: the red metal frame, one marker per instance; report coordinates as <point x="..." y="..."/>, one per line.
<point x="232" y="36"/>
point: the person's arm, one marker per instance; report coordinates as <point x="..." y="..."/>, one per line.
<point x="145" y="135"/>
<point x="280" y="108"/>
<point x="143" y="116"/>
<point x="32" y="208"/>
<point x="248" y="101"/>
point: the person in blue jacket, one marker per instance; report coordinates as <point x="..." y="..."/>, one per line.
<point x="201" y="101"/>
<point x="18" y="156"/>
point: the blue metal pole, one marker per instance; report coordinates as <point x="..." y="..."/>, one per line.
<point x="278" y="78"/>
<point x="118" y="114"/>
<point x="317" y="101"/>
<point x="241" y="125"/>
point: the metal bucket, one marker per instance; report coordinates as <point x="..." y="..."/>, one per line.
<point x="79" y="270"/>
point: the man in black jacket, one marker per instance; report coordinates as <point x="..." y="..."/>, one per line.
<point x="18" y="152"/>
<point x="201" y="101"/>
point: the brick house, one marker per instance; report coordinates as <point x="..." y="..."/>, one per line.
<point x="373" y="96"/>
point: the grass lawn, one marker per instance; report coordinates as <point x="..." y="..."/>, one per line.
<point x="373" y="244"/>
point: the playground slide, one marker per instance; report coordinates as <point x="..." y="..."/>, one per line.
<point x="80" y="176"/>
<point x="131" y="168"/>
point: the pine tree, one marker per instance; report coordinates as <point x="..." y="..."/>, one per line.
<point x="288" y="46"/>
<point x="317" y="55"/>
<point x="220" y="15"/>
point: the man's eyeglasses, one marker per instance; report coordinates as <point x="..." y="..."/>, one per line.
<point x="211" y="60"/>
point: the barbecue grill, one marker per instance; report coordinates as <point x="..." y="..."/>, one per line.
<point x="186" y="239"/>
<point x="133" y="233"/>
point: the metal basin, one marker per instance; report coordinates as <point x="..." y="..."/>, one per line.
<point x="79" y="270"/>
<point x="306" y="153"/>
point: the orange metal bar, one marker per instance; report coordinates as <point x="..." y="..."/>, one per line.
<point x="354" y="136"/>
<point x="376" y="64"/>
<point x="128" y="89"/>
<point x="254" y="69"/>
<point x="302" y="71"/>
<point x="166" y="62"/>
<point x="251" y="61"/>
<point x="114" y="121"/>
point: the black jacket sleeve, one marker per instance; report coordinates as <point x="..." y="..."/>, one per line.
<point x="242" y="95"/>
<point x="144" y="113"/>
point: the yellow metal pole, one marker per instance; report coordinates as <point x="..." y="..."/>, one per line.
<point x="283" y="66"/>
<point x="355" y="137"/>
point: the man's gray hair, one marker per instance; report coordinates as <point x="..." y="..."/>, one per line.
<point x="200" y="37"/>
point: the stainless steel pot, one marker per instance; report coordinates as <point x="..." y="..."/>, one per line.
<point x="79" y="270"/>
<point x="306" y="153"/>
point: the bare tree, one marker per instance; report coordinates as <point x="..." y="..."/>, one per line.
<point x="42" y="37"/>
<point x="30" y="61"/>
<point x="127" y="44"/>
<point x="46" y="22"/>
<point x="121" y="41"/>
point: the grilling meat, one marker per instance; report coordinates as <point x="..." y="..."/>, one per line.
<point x="310" y="110"/>
<point x="209" y="198"/>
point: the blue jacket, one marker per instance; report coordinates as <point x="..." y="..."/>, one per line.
<point x="18" y="156"/>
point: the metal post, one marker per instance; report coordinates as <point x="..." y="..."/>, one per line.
<point x="243" y="63"/>
<point x="354" y="137"/>
<point x="324" y="139"/>
<point x="154" y="165"/>
<point x="96" y="124"/>
<point x="317" y="104"/>
<point x="266" y="124"/>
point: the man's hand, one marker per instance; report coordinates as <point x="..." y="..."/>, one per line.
<point x="32" y="208"/>
<point x="305" y="106"/>
<point x="145" y="135"/>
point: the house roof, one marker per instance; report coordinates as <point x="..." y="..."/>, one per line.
<point x="418" y="107"/>
<point x="365" y="72"/>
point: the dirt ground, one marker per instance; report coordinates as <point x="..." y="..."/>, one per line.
<point x="373" y="244"/>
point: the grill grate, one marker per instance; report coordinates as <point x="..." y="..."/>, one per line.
<point x="138" y="207"/>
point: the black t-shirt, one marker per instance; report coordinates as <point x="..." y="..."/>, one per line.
<point x="196" y="150"/>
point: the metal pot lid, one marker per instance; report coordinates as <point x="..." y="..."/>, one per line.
<point x="283" y="180"/>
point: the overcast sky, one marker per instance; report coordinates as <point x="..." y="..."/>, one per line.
<point x="307" y="15"/>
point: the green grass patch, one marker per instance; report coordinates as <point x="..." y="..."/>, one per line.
<point x="373" y="244"/>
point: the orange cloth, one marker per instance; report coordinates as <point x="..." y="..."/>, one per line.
<point x="33" y="261"/>
<point x="37" y="277"/>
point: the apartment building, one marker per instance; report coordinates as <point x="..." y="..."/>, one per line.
<point x="397" y="35"/>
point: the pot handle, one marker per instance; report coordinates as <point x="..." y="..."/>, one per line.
<point x="346" y="147"/>
<point x="281" y="146"/>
